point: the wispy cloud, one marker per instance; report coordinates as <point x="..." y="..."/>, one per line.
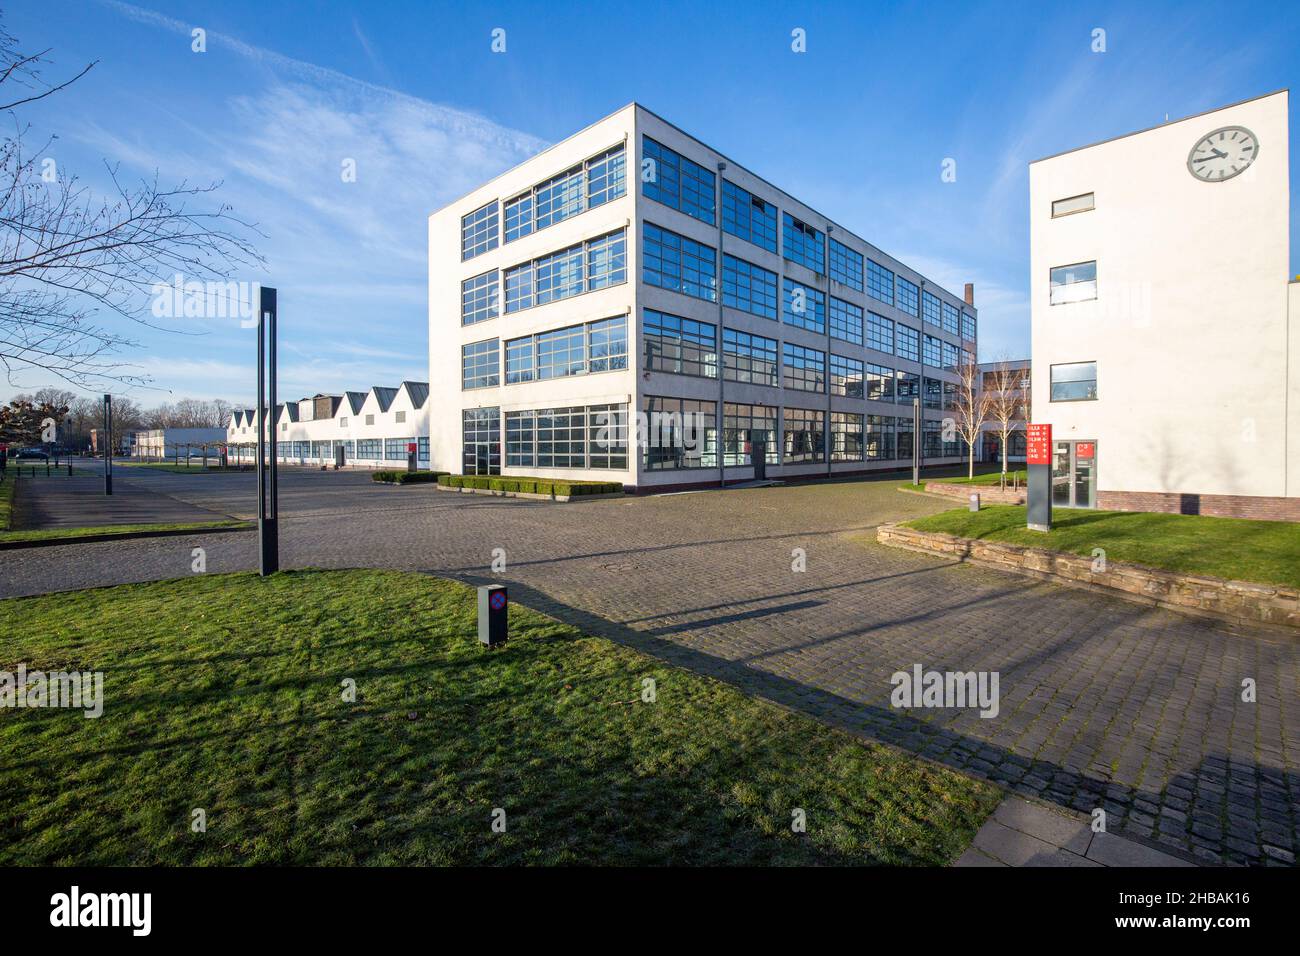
<point x="347" y="252"/>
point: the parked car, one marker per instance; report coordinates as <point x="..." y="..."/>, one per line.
<point x="32" y="453"/>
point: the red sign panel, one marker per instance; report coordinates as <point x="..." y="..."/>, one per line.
<point x="1085" y="449"/>
<point x="1038" y="444"/>
<point x="410" y="448"/>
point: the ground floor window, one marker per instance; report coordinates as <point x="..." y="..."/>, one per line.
<point x="607" y="437"/>
<point x="370" y="449"/>
<point x="481" y="441"/>
<point x="904" y="433"/>
<point x="577" y="437"/>
<point x="423" y="449"/>
<point x="679" y="433"/>
<point x="322" y="449"/>
<point x="805" y="434"/>
<point x="395" y="448"/>
<point x="742" y="423"/>
<point x="932" y="440"/>
<point x="993" y="445"/>
<point x="880" y="437"/>
<point x="846" y="436"/>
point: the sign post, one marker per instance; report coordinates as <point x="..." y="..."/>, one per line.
<point x="268" y="484"/>
<point x="1038" y="456"/>
<point x="108" y="444"/>
<point x="410" y="456"/>
<point x="493" y="623"/>
<point x="916" y="441"/>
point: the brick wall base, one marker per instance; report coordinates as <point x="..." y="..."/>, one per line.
<point x="1219" y="506"/>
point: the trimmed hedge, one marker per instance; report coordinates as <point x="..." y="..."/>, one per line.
<point x="407" y="477"/>
<point x="532" y="486"/>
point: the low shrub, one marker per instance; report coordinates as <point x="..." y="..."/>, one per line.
<point x="393" y="477"/>
<point x="531" y="486"/>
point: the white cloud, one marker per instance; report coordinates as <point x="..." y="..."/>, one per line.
<point x="349" y="258"/>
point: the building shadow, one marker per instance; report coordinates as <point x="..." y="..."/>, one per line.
<point x="1223" y="810"/>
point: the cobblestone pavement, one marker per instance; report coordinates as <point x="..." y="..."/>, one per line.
<point x="1104" y="703"/>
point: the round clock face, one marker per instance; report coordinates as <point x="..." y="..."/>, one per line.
<point x="1225" y="153"/>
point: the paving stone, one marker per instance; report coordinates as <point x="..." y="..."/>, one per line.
<point x="704" y="581"/>
<point x="1110" y="850"/>
<point x="1047" y="825"/>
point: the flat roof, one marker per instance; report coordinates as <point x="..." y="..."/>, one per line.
<point x="1139" y="132"/>
<point x="767" y="182"/>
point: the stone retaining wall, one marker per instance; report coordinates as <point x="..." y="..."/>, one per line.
<point x="1232" y="600"/>
<point x="989" y="494"/>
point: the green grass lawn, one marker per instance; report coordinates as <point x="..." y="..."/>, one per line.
<point x="7" y="502"/>
<point x="1267" y="552"/>
<point x="44" y="534"/>
<point x="223" y="692"/>
<point x="988" y="478"/>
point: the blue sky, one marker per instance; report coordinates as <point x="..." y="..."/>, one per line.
<point x="857" y="127"/>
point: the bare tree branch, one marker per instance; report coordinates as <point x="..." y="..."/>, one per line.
<point x="69" y="253"/>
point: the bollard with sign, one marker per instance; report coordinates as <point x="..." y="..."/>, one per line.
<point x="493" y="625"/>
<point x="410" y="456"/>
<point x="1038" y="456"/>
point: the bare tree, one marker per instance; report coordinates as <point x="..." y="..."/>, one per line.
<point x="970" y="406"/>
<point x="68" y="253"/>
<point x="1008" y="391"/>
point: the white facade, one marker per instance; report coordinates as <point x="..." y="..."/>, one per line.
<point x="1195" y="390"/>
<point x="170" y="442"/>
<point x="372" y="428"/>
<point x="504" y="409"/>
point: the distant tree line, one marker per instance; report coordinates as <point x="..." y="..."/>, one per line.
<point x="76" y="415"/>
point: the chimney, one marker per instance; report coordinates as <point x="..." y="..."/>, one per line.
<point x="970" y="293"/>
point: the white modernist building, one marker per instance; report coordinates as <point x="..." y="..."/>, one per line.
<point x="170" y="442"/>
<point x="632" y="269"/>
<point x="1166" y="338"/>
<point x="371" y="429"/>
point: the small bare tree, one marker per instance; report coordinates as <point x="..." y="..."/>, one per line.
<point x="68" y="253"/>
<point x="970" y="406"/>
<point x="1008" y="402"/>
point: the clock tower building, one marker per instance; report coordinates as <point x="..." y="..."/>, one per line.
<point x="1166" y="336"/>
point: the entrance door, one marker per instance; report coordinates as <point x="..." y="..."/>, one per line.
<point x="1074" y="474"/>
<point x="758" y="453"/>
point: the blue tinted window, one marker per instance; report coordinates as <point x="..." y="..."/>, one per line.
<point x="930" y="308"/>
<point x="804" y="244"/>
<point x="968" y="327"/>
<point x="908" y="343"/>
<point x="804" y="306"/>
<point x="880" y="282"/>
<point x="951" y="320"/>
<point x="880" y="333"/>
<point x="748" y="287"/>
<point x="674" y="180"/>
<point x="846" y="321"/>
<point x="679" y="264"/>
<point x="909" y="297"/>
<point x="478" y="231"/>
<point x="846" y="265"/>
<point x="747" y="216"/>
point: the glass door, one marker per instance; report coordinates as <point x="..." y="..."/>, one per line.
<point x="1061" y="471"/>
<point x="1074" y="474"/>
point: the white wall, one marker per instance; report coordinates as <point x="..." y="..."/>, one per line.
<point x="347" y="426"/>
<point x="446" y="272"/>
<point x="447" y="336"/>
<point x="1189" y="326"/>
